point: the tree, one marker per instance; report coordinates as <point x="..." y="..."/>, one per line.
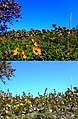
<point x="9" y="9"/>
<point x="6" y="71"/>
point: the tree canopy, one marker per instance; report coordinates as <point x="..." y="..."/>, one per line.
<point x="9" y="9"/>
<point x="6" y="71"/>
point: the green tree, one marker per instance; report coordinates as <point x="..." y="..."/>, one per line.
<point x="6" y="71"/>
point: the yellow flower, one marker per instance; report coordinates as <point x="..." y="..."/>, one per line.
<point x="35" y="43"/>
<point x="37" y="51"/>
<point x="33" y="40"/>
<point x="23" y="55"/>
<point x="9" y="50"/>
<point x="52" y="38"/>
<point x="14" y="52"/>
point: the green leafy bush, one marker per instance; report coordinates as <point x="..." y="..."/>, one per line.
<point x="57" y="44"/>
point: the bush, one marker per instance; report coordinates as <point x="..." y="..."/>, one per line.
<point x="47" y="106"/>
<point x="40" y="45"/>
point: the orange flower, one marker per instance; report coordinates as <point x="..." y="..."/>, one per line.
<point x="35" y="43"/>
<point x="14" y="52"/>
<point x="23" y="55"/>
<point x="52" y="38"/>
<point x="37" y="51"/>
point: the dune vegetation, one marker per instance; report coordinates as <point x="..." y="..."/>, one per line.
<point x="46" y="106"/>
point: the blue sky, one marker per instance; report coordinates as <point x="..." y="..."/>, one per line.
<point x="35" y="76"/>
<point x="41" y="14"/>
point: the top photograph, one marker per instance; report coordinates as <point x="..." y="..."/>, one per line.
<point x="38" y="30"/>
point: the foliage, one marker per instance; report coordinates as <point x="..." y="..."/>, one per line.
<point x="8" y="10"/>
<point x="47" y="106"/>
<point x="58" y="44"/>
<point x="6" y="71"/>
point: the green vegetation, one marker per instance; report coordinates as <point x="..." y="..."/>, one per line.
<point x="9" y="10"/>
<point x="58" y="44"/>
<point x="6" y="71"/>
<point x="47" y="106"/>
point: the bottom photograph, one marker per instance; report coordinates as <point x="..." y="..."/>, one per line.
<point x="38" y="90"/>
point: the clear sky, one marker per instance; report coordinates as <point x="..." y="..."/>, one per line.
<point x="35" y="76"/>
<point x="41" y="14"/>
